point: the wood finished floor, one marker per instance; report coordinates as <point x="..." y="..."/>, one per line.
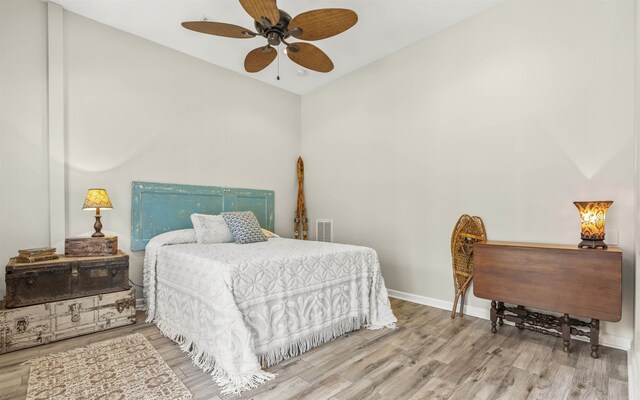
<point x="430" y="356"/>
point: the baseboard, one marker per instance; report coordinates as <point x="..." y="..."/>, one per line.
<point x="617" y="342"/>
<point x="633" y="360"/>
<point x="479" y="312"/>
<point x="140" y="304"/>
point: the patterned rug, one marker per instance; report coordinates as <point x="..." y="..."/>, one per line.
<point x="123" y="368"/>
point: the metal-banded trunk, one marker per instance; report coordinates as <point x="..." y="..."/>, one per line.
<point x="65" y="278"/>
<point x="43" y="323"/>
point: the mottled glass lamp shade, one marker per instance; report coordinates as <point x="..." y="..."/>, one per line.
<point x="95" y="200"/>
<point x="592" y="215"/>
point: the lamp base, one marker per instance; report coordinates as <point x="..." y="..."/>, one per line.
<point x="592" y="244"/>
<point x="98" y="227"/>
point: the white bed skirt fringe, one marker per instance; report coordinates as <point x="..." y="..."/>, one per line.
<point x="239" y="384"/>
<point x="206" y="362"/>
<point x="305" y="344"/>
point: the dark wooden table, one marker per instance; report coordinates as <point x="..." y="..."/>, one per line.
<point x="564" y="279"/>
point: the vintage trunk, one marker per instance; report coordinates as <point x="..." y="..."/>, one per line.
<point x="43" y="323"/>
<point x="65" y="278"/>
<point x="91" y="246"/>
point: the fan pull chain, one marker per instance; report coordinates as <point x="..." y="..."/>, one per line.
<point x="278" y="50"/>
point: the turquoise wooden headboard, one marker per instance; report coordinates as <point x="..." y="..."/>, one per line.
<point x="160" y="207"/>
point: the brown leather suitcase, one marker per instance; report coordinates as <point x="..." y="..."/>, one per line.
<point x="65" y="278"/>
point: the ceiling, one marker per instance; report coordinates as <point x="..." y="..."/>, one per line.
<point x="384" y="27"/>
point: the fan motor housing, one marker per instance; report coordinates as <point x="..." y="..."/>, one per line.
<point x="276" y="32"/>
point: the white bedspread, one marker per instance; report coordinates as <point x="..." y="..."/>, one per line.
<point x="236" y="307"/>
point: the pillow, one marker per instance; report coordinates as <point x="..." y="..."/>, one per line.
<point x="211" y="229"/>
<point x="269" y="234"/>
<point x="174" y="237"/>
<point x="244" y="226"/>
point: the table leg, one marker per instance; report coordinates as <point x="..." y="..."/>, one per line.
<point x="500" y="308"/>
<point x="566" y="333"/>
<point x="493" y="317"/>
<point x="594" y="337"/>
<point x="519" y="323"/>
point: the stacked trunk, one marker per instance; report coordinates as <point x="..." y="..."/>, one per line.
<point x="70" y="296"/>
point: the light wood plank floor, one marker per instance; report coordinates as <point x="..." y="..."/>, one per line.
<point x="430" y="356"/>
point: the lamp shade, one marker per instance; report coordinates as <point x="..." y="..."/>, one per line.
<point x="592" y="216"/>
<point x="97" y="198"/>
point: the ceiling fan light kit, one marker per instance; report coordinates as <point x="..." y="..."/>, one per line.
<point x="278" y="27"/>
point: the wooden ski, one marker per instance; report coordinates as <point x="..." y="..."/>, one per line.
<point x="301" y="213"/>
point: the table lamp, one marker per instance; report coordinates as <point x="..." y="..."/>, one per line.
<point x="95" y="200"/>
<point x="592" y="214"/>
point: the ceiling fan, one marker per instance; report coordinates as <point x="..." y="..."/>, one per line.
<point x="277" y="27"/>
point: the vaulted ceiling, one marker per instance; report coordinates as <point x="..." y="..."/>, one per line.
<point x="384" y="27"/>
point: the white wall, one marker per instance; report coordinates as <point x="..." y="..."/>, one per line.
<point x="138" y="111"/>
<point x="24" y="179"/>
<point x="511" y="115"/>
<point x="634" y="377"/>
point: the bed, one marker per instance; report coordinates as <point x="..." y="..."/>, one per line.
<point x="237" y="308"/>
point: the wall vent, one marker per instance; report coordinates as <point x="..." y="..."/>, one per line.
<point x="324" y="230"/>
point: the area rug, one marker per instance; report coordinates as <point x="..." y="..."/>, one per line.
<point x="123" y="368"/>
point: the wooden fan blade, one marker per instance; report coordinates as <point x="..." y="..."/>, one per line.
<point x="309" y="56"/>
<point x="219" y="29"/>
<point x="262" y="8"/>
<point x="323" y="23"/>
<point x="258" y="59"/>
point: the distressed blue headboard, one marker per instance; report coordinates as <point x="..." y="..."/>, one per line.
<point x="160" y="207"/>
